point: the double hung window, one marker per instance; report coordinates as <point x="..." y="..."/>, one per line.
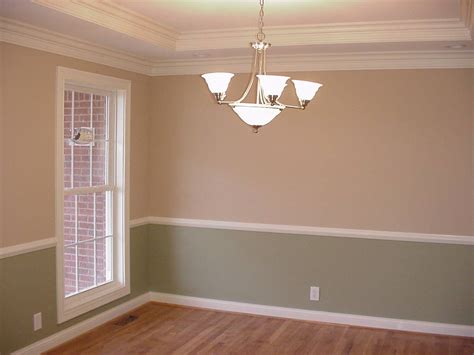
<point x="92" y="184"/>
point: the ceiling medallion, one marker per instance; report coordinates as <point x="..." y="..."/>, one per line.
<point x="269" y="87"/>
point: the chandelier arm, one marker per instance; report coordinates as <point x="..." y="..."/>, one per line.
<point x="252" y="76"/>
<point x="262" y="99"/>
<point x="259" y="87"/>
<point x="264" y="69"/>
<point x="292" y="106"/>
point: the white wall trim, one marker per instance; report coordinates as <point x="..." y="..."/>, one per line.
<point x="309" y="230"/>
<point x="403" y="31"/>
<point x="22" y="34"/>
<point x="467" y="10"/>
<point x="117" y="18"/>
<point x="46" y="243"/>
<point x="23" y="248"/>
<point x="82" y="327"/>
<point x="317" y="316"/>
<point x="25" y="35"/>
<point x="139" y="222"/>
<point x="133" y="24"/>
<point x="248" y="308"/>
<point x="444" y="59"/>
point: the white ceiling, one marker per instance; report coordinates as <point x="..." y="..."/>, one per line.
<point x="180" y="30"/>
<point x="195" y="15"/>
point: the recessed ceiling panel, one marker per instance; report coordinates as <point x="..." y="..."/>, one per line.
<point x="192" y="15"/>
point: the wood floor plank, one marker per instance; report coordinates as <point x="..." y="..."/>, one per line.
<point x="170" y="329"/>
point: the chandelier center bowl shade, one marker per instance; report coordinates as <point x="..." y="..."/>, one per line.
<point x="268" y="88"/>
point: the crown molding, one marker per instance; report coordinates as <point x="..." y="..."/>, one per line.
<point x="120" y="19"/>
<point x="333" y="33"/>
<point x="467" y="14"/>
<point x="324" y="62"/>
<point x="25" y="35"/>
<point x="117" y="18"/>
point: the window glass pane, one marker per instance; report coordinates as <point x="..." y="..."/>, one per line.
<point x="85" y="217"/>
<point x="99" y="116"/>
<point x="86" y="269"/>
<point x="94" y="263"/>
<point x="82" y="109"/>
<point x="87" y="240"/>
<point x="101" y="209"/>
<point x="67" y="136"/>
<point x="70" y="271"/>
<point x="67" y="164"/>
<point x="81" y="153"/>
<point x="69" y="216"/>
<point x="85" y="162"/>
<point x="81" y="166"/>
<point x="99" y="163"/>
<point x="104" y="260"/>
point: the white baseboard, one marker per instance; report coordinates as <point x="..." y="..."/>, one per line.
<point x="82" y="327"/>
<point x="327" y="317"/>
<point x="257" y="309"/>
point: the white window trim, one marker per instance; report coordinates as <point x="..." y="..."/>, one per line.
<point x="88" y="300"/>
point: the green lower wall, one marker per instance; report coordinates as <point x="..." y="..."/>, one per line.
<point x="407" y="280"/>
<point x="29" y="286"/>
<point x="420" y="281"/>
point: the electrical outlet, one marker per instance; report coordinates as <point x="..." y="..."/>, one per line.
<point x="314" y="293"/>
<point x="37" y="321"/>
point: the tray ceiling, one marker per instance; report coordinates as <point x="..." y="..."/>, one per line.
<point x="186" y="32"/>
<point x="189" y="15"/>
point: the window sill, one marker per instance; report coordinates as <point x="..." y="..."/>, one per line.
<point x="87" y="301"/>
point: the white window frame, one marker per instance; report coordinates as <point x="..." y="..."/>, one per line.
<point x="75" y="305"/>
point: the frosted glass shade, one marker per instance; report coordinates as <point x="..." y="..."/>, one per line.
<point x="272" y="85"/>
<point x="255" y="115"/>
<point x="305" y="90"/>
<point x="218" y="82"/>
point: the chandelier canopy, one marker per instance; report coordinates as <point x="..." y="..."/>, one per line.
<point x="268" y="88"/>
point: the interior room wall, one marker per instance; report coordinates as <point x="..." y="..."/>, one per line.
<point x="380" y="150"/>
<point x="383" y="150"/>
<point x="29" y="286"/>
<point x="379" y="278"/>
<point x="377" y="150"/>
<point x="28" y="136"/>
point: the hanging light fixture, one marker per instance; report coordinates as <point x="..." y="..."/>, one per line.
<point x="268" y="89"/>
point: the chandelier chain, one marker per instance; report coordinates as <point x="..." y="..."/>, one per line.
<point x="260" y="34"/>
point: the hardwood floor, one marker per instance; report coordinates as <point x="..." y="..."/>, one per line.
<point x="169" y="329"/>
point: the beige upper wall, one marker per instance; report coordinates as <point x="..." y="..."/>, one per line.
<point x="382" y="150"/>
<point x="28" y="137"/>
<point x="386" y="150"/>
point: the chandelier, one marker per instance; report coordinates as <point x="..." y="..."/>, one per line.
<point x="268" y="88"/>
